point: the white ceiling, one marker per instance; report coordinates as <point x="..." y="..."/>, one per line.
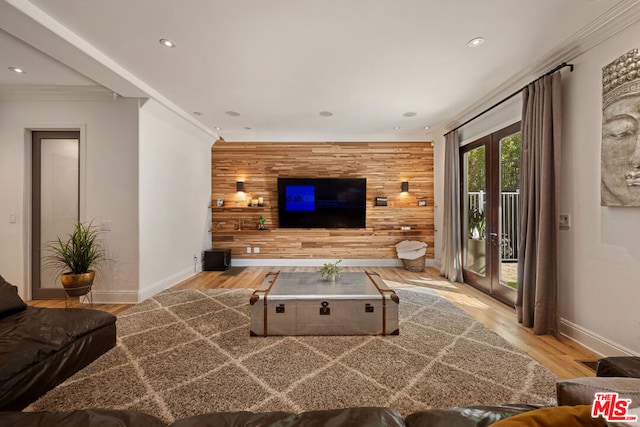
<point x="280" y="62"/>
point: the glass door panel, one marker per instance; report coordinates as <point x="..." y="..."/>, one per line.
<point x="474" y="210"/>
<point x="510" y="147"/>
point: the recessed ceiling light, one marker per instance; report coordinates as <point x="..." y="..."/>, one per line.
<point x="410" y="114"/>
<point x="396" y="127"/>
<point x="197" y="113"/>
<point x="167" y="43"/>
<point x="426" y="128"/>
<point x="217" y="128"/>
<point x="17" y="70"/>
<point x="326" y="113"/>
<point x="247" y="128"/>
<point x="475" y="42"/>
<point x="232" y="113"/>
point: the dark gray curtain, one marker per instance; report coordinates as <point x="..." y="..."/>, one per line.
<point x="451" y="267"/>
<point x="537" y="302"/>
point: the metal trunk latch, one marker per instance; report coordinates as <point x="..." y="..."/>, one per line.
<point x="368" y="308"/>
<point x="325" y="310"/>
<point x="280" y="308"/>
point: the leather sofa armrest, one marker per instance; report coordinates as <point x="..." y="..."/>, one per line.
<point x="581" y="391"/>
<point x="466" y="416"/>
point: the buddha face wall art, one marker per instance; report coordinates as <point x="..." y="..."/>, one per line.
<point x="620" y="161"/>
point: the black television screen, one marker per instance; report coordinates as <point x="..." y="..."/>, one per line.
<point x="322" y="202"/>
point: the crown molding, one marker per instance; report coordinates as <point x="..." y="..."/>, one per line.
<point x="616" y="19"/>
<point x="239" y="136"/>
<point x="55" y="93"/>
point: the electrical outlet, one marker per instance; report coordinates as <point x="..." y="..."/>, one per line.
<point x="248" y="249"/>
<point x="256" y="250"/>
<point x="564" y="221"/>
<point x="12" y="218"/>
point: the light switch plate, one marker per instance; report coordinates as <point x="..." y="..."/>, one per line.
<point x="565" y="221"/>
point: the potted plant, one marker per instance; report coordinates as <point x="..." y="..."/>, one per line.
<point x="477" y="223"/>
<point x="261" y="221"/>
<point x="331" y="271"/>
<point x="476" y="244"/>
<point x="77" y="258"/>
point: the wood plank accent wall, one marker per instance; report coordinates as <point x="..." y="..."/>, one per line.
<point x="384" y="164"/>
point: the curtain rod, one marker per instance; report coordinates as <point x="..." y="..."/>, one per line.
<point x="548" y="73"/>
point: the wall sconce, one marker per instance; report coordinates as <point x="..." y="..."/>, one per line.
<point x="405" y="186"/>
<point x="239" y="186"/>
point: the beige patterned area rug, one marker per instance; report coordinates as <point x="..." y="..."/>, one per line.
<point x="185" y="352"/>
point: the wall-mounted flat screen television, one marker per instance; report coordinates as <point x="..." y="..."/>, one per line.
<point x="322" y="202"/>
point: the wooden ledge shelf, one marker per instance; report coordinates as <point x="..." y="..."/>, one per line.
<point x="344" y="231"/>
<point x="398" y="231"/>
<point x="267" y="230"/>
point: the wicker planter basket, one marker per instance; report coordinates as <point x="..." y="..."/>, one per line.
<point x="414" y="264"/>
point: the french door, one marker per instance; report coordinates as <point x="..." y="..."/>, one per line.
<point x="490" y="201"/>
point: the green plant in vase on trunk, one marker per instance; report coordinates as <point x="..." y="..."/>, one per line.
<point x="331" y="271"/>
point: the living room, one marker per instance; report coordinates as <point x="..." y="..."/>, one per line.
<point x="157" y="194"/>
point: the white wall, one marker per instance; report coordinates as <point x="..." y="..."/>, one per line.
<point x="175" y="195"/>
<point x="109" y="132"/>
<point x="438" y="196"/>
<point x="498" y="118"/>
<point x="600" y="253"/>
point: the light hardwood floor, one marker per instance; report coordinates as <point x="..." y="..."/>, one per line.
<point x="563" y="357"/>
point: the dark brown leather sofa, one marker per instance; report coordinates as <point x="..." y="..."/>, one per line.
<point x="355" y="417"/>
<point x="41" y="347"/>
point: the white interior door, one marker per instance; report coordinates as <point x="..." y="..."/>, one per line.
<point x="55" y="201"/>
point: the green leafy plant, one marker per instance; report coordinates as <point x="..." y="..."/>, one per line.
<point x="80" y="252"/>
<point x="477" y="223"/>
<point x="331" y="270"/>
<point x="261" y="221"/>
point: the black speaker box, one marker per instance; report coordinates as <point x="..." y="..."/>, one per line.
<point x="217" y="260"/>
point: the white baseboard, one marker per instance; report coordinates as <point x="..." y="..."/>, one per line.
<point x="133" y="297"/>
<point x="115" y="297"/>
<point x="593" y="341"/>
<point x="166" y="283"/>
<point x="317" y="262"/>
